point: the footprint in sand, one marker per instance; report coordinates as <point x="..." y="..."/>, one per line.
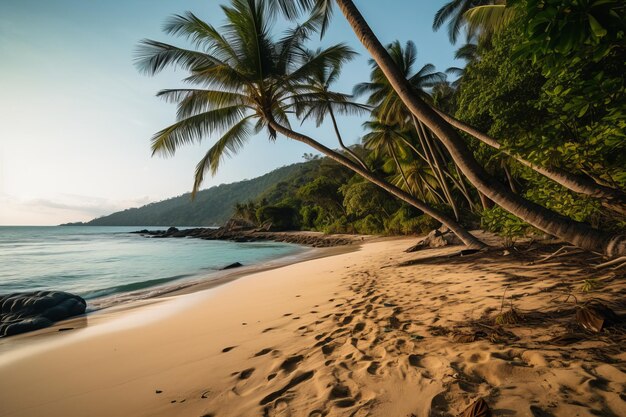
<point x="263" y="352"/>
<point x="246" y="373"/>
<point x="373" y="368"/>
<point x="296" y="380"/>
<point x="279" y="409"/>
<point x="291" y="363"/>
<point x="414" y="360"/>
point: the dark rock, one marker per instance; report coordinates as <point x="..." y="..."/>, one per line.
<point x="231" y="266"/>
<point x="172" y="230"/>
<point x="25" y="312"/>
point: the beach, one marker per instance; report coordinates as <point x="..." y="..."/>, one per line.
<point x="372" y="332"/>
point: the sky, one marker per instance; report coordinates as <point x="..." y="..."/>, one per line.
<point x="76" y="116"/>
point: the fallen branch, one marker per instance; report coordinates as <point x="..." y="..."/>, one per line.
<point x="621" y="260"/>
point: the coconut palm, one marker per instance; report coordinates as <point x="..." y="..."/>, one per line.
<point x="381" y="95"/>
<point x="577" y="233"/>
<point x="319" y="102"/>
<point x="390" y="108"/>
<point x="248" y="83"/>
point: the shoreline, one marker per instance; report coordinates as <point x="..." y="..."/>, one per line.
<point x="352" y="334"/>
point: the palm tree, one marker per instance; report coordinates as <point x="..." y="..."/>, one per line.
<point x="319" y="102"/>
<point x="389" y="107"/>
<point x="577" y="233"/>
<point x="248" y="84"/>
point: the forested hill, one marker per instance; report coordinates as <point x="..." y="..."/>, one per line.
<point x="211" y="207"/>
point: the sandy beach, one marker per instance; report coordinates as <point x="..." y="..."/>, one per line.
<point x="353" y="334"/>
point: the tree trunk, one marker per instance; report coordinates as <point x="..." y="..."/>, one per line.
<point x="486" y="203"/>
<point x="470" y="240"/>
<point x="579" y="234"/>
<point x="439" y="172"/>
<point x="343" y="146"/>
<point x="611" y="198"/>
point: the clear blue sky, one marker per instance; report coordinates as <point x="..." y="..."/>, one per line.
<point x="76" y="116"/>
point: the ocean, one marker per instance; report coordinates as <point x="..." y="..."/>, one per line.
<point x="109" y="264"/>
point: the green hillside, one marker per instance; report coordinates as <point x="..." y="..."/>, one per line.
<point x="212" y="207"/>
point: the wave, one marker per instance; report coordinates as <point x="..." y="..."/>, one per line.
<point x="134" y="286"/>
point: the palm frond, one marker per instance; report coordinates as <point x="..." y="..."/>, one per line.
<point x="194" y="101"/>
<point x="193" y="129"/>
<point x="488" y="19"/>
<point x="151" y="57"/>
<point x="229" y="144"/>
<point x="200" y="33"/>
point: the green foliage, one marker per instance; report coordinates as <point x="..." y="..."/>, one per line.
<point x="559" y="104"/>
<point x="504" y="223"/>
<point x="369" y="225"/>
<point x="280" y="217"/>
<point x="406" y="222"/>
<point x="557" y="30"/>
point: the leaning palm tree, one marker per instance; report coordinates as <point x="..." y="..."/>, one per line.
<point x="577" y="233"/>
<point x="248" y="83"/>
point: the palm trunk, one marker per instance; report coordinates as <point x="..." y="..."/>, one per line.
<point x="486" y="203"/>
<point x="466" y="237"/>
<point x="439" y="172"/>
<point x="395" y="159"/>
<point x="579" y="234"/>
<point x="611" y="198"/>
<point x="340" y="140"/>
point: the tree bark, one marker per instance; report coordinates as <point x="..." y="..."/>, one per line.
<point x="579" y="234"/>
<point x="470" y="240"/>
<point x="611" y="198"/>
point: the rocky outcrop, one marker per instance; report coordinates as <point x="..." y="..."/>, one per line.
<point x="436" y="239"/>
<point x="25" y="312"/>
<point x="245" y="234"/>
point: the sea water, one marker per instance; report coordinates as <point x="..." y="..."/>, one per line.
<point x="96" y="262"/>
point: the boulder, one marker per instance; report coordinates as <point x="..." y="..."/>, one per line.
<point x="25" y="312"/>
<point x="436" y="239"/>
<point x="233" y="265"/>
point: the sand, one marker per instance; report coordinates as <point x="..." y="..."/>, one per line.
<point x="353" y="334"/>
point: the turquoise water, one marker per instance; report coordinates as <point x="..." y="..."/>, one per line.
<point x="96" y="262"/>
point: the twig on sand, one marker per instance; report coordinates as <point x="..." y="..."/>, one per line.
<point x="620" y="262"/>
<point x="560" y="252"/>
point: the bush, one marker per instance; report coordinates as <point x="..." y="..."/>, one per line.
<point x="281" y="217"/>
<point x="404" y="222"/>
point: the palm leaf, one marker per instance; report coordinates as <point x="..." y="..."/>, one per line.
<point x="488" y="19"/>
<point x="151" y="57"/>
<point x="195" y="128"/>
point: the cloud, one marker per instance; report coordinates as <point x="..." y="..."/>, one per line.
<point x="60" y="209"/>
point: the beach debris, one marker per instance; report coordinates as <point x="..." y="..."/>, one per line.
<point x="463" y="338"/>
<point x="158" y="391"/>
<point x="590" y="285"/>
<point x="510" y="316"/>
<point x="595" y="317"/>
<point x="228" y="349"/>
<point x="567" y="339"/>
<point x="478" y="408"/>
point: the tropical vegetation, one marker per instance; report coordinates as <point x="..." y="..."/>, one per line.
<point x="530" y="136"/>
